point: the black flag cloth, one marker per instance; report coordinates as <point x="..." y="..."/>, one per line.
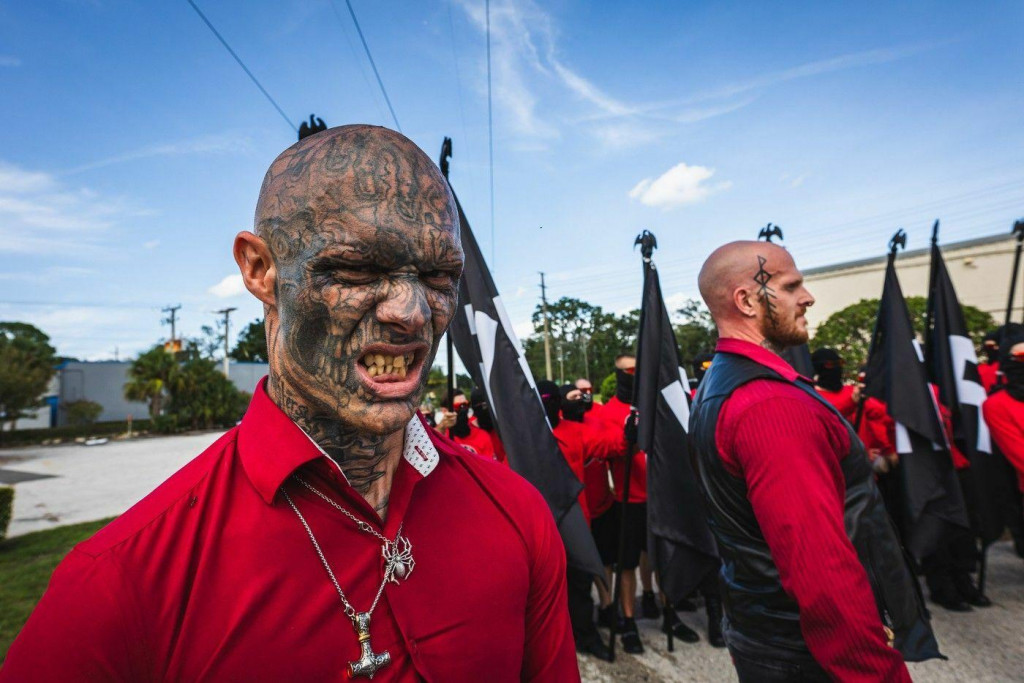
<point x="491" y="352"/>
<point x="953" y="367"/>
<point x="931" y="501"/>
<point x="681" y="544"/>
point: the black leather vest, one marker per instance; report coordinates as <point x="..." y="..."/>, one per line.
<point x="756" y="606"/>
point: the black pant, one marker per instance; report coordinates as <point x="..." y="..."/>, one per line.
<point x="955" y="559"/>
<point x="765" y="669"/>
<point x="581" y="606"/>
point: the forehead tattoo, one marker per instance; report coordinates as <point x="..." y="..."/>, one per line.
<point x="361" y="180"/>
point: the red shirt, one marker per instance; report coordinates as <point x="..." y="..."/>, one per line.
<point x="595" y="475"/>
<point x="478" y="442"/>
<point x="581" y="443"/>
<point x="787" y="447"/>
<point x="842" y="401"/>
<point x="614" y="413"/>
<point x="212" y="576"/>
<point x="989" y="375"/>
<point x="1005" y="418"/>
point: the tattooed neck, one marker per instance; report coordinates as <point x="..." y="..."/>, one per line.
<point x="772" y="346"/>
<point x="369" y="461"/>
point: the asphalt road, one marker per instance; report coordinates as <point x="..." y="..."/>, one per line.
<point x="83" y="483"/>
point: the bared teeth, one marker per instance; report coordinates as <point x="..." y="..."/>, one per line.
<point x="380" y="364"/>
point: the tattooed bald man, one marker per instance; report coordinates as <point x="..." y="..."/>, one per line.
<point x="813" y="578"/>
<point x="331" y="534"/>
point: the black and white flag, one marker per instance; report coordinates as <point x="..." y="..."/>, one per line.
<point x="953" y="367"/>
<point x="679" y="540"/>
<point x="932" y="502"/>
<point x="490" y="350"/>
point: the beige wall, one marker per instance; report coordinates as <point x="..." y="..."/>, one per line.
<point x="980" y="270"/>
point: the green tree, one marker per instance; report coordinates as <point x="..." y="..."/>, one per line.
<point x="148" y="377"/>
<point x="584" y="339"/>
<point x="849" y="330"/>
<point x="200" y="396"/>
<point x="695" y="330"/>
<point x="83" y="412"/>
<point x="26" y="367"/>
<point x="251" y="345"/>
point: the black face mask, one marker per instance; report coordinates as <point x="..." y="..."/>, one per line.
<point x="574" y="410"/>
<point x="991" y="353"/>
<point x="586" y="401"/>
<point x="1013" y="371"/>
<point x="461" y="427"/>
<point x="830" y="379"/>
<point x="482" y="413"/>
<point x="623" y="386"/>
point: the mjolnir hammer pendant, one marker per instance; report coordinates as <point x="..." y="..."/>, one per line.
<point x="369" y="662"/>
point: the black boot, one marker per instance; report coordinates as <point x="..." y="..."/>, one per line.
<point x="969" y="592"/>
<point x="944" y="594"/>
<point x="631" y="637"/>
<point x="672" y="624"/>
<point x="686" y="605"/>
<point x="713" y="607"/>
<point x="595" y="648"/>
<point x="606" y="616"/>
<point x="649" y="606"/>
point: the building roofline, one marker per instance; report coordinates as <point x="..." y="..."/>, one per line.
<point x="965" y="244"/>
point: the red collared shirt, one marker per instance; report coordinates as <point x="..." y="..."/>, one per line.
<point x="787" y="447"/>
<point x="581" y="443"/>
<point x="212" y="576"/>
<point x="614" y="413"/>
<point x="842" y="401"/>
<point x="477" y="441"/>
<point x="598" y="488"/>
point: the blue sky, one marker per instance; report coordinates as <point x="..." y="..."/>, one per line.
<point x="132" y="146"/>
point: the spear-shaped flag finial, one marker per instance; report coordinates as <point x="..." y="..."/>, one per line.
<point x="446" y="154"/>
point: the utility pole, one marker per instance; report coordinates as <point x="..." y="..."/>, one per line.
<point x="173" y="310"/>
<point x="226" y="312"/>
<point x="547" y="332"/>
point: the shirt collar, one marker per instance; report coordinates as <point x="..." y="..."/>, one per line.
<point x="759" y="354"/>
<point x="271" y="446"/>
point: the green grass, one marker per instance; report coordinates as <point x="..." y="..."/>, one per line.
<point x="26" y="563"/>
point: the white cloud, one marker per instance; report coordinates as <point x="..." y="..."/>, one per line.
<point x="9" y="60"/>
<point x="230" y="286"/>
<point x="677" y="186"/>
<point x="221" y="143"/>
<point x="38" y="213"/>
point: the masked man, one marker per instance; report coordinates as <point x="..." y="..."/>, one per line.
<point x="1004" y="409"/>
<point x="329" y="535"/>
<point x="813" y="578"/>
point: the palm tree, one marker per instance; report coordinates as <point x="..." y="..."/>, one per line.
<point x="148" y="377"/>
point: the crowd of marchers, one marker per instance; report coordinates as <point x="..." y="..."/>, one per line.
<point x="589" y="432"/>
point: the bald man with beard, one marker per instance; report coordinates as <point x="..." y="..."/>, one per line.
<point x="813" y="579"/>
<point x="332" y="534"/>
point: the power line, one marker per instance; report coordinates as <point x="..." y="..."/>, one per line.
<point x="355" y="60"/>
<point x="242" y="64"/>
<point x="490" y="126"/>
<point x="372" y="64"/>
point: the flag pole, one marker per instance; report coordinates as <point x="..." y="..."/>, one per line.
<point x="898" y="240"/>
<point x="446" y="154"/>
<point x="930" y="310"/>
<point x="1018" y="229"/>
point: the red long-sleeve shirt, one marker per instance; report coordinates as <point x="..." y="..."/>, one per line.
<point x="788" y="447"/>
<point x="212" y="576"/>
<point x="614" y="413"/>
<point x="1005" y="417"/>
<point x="478" y="441"/>
<point x="989" y="373"/>
<point x="595" y="475"/>
<point x="842" y="401"/>
<point x="581" y="443"/>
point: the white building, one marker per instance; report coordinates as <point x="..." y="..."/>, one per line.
<point x="980" y="269"/>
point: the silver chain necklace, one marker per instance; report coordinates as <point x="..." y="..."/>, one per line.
<point x="398" y="564"/>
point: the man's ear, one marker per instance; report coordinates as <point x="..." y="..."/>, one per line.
<point x="257" y="266"/>
<point x="745" y="302"/>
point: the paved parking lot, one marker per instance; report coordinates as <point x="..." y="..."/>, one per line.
<point x="83" y="483"/>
